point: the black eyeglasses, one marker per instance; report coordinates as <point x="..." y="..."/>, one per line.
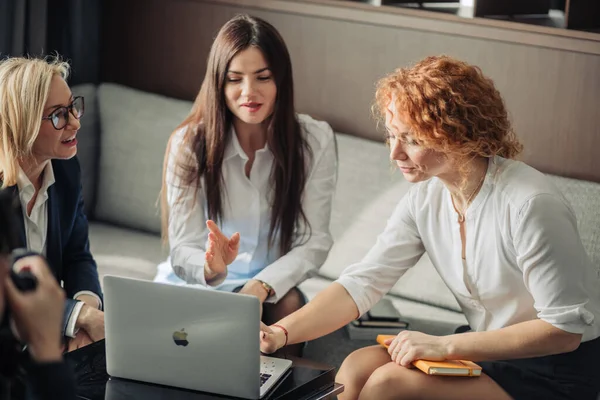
<point x="60" y="116"/>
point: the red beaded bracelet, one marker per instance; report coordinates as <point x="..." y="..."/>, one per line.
<point x="284" y="331"/>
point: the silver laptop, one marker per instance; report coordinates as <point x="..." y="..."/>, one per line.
<point x="185" y="337"/>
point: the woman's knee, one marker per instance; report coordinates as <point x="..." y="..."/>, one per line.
<point x="352" y="369"/>
<point x="358" y="367"/>
<point x="393" y="381"/>
<point x="293" y="300"/>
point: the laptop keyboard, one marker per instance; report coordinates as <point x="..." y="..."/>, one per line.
<point x="264" y="378"/>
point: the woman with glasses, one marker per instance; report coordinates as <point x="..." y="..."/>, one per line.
<point x="39" y="120"/>
<point x="248" y="182"/>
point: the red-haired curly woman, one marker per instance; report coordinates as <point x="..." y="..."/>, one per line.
<point x="501" y="236"/>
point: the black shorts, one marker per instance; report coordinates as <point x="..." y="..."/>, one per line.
<point x="567" y="376"/>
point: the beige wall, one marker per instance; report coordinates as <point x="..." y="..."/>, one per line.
<point x="551" y="82"/>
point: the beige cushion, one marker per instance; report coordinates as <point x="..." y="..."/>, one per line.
<point x="584" y="197"/>
<point x="135" y="128"/>
<point x="125" y="252"/>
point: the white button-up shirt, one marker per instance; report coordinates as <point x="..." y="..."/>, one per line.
<point x="247" y="210"/>
<point x="36" y="227"/>
<point x="524" y="257"/>
<point x="36" y="223"/>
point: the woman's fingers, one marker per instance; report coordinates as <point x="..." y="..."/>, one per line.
<point x="393" y="346"/>
<point x="12" y="293"/>
<point x="210" y="224"/>
<point x="216" y="235"/>
<point x="235" y="240"/>
<point x="406" y="358"/>
<point x="213" y="228"/>
<point x="265" y="328"/>
<point x="267" y="343"/>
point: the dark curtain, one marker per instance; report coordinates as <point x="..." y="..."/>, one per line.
<point x="70" y="28"/>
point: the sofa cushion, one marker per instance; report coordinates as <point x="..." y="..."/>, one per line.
<point x="135" y="127"/>
<point x="87" y="145"/>
<point x="125" y="252"/>
<point x="584" y="197"/>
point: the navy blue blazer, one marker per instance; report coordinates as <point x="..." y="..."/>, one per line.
<point x="67" y="243"/>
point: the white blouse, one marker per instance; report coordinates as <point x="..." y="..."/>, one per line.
<point x="247" y="210"/>
<point x="524" y="257"/>
<point x="36" y="224"/>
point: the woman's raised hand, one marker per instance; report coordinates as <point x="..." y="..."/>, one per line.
<point x="222" y="250"/>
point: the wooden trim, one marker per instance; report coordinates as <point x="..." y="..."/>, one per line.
<point x="423" y="20"/>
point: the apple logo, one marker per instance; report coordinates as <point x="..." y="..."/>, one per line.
<point x="180" y="337"/>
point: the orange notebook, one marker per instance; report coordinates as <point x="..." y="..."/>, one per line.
<point x="446" y="368"/>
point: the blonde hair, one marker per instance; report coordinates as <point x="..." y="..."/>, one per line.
<point x="24" y="87"/>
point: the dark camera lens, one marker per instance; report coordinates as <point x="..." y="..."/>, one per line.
<point x="24" y="281"/>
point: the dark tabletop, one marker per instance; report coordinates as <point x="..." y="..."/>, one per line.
<point x="306" y="380"/>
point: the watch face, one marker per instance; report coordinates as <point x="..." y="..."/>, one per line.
<point x="268" y="288"/>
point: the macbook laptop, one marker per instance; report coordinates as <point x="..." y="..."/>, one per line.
<point x="190" y="338"/>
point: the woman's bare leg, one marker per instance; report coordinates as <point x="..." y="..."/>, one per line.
<point x="369" y="374"/>
<point x="357" y="368"/>
<point x="392" y="381"/>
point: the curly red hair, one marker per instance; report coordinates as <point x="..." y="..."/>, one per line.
<point x="450" y="106"/>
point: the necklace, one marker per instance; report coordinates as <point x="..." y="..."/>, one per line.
<point x="461" y="213"/>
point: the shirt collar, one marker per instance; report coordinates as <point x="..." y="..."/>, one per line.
<point x="235" y="148"/>
<point x="23" y="182"/>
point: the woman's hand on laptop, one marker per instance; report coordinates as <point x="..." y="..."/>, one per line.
<point x="221" y="251"/>
<point x="271" y="340"/>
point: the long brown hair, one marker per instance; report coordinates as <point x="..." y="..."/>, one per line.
<point x="208" y="128"/>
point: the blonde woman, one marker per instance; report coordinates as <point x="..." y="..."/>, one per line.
<point x="39" y="120"/>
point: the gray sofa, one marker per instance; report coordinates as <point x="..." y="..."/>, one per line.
<point x="122" y="142"/>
